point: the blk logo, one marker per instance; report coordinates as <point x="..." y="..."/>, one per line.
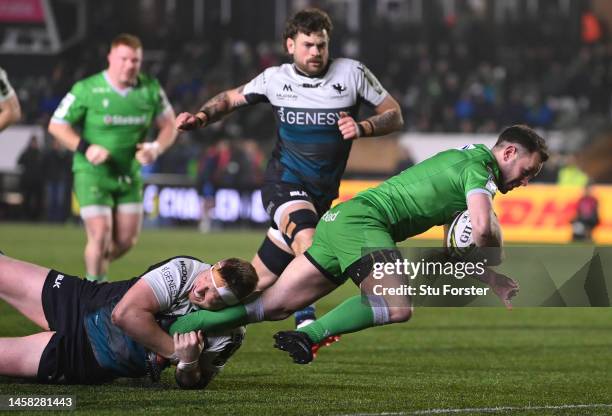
<point x="58" y="281"/>
<point x="287" y="88"/>
<point x="339" y="88"/>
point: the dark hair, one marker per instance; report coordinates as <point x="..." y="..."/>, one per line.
<point x="240" y="276"/>
<point x="526" y="137"/>
<point x="128" y="40"/>
<point x="307" y="21"/>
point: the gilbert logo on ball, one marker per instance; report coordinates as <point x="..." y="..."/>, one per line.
<point x="459" y="240"/>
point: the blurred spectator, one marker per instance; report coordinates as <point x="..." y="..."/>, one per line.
<point x="587" y="216"/>
<point x="571" y="174"/>
<point x="31" y="182"/>
<point x="57" y="173"/>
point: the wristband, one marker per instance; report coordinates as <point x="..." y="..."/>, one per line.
<point x="188" y="366"/>
<point x="361" y="130"/>
<point x="82" y="146"/>
<point x="153" y="147"/>
<point x="370" y="130"/>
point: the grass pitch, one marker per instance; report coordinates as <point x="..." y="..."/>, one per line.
<point x="445" y="361"/>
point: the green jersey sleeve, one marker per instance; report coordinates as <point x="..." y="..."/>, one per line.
<point x="72" y="109"/>
<point x="478" y="178"/>
<point x="163" y="104"/>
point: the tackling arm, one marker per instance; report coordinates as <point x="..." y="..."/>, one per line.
<point x="135" y="315"/>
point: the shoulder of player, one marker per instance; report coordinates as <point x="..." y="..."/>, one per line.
<point x="277" y="70"/>
<point x="146" y="80"/>
<point x="346" y="64"/>
<point x="176" y="260"/>
<point x="90" y="83"/>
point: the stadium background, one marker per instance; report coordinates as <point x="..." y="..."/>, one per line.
<point x="461" y="70"/>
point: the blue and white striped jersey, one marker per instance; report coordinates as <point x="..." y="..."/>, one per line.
<point x="310" y="150"/>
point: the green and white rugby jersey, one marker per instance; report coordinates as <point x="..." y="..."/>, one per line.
<point x="112" y="118"/>
<point x="433" y="191"/>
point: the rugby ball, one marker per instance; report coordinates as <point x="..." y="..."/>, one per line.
<point x="459" y="240"/>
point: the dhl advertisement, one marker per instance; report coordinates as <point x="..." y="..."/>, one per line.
<point x="538" y="213"/>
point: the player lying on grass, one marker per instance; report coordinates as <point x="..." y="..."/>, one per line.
<point x="427" y="194"/>
<point x="93" y="333"/>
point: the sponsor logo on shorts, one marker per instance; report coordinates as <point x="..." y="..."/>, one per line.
<point x="330" y="216"/>
<point x="58" y="281"/>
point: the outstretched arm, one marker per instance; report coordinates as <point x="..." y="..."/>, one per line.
<point x="214" y="109"/>
<point x="227" y="318"/>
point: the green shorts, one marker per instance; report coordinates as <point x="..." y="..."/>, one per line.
<point x="107" y="190"/>
<point x="344" y="235"/>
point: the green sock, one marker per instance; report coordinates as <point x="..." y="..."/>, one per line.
<point x="94" y="278"/>
<point x="211" y="321"/>
<point x="350" y="316"/>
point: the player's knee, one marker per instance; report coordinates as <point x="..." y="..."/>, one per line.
<point x="278" y="311"/>
<point x="400" y="314"/>
<point x="275" y="260"/>
<point x="124" y="244"/>
<point x="302" y="219"/>
<point x="302" y="241"/>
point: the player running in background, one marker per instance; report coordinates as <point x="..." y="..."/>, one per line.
<point x="94" y="333"/>
<point x="10" y="110"/>
<point x="115" y="108"/>
<point x="316" y="101"/>
<point x="427" y="194"/>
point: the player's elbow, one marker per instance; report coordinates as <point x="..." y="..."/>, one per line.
<point x="400" y="314"/>
<point x="119" y="316"/>
<point x="52" y="128"/>
<point x="400" y="119"/>
<point x="16" y="115"/>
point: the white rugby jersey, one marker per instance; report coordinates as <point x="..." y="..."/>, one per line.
<point x="171" y="283"/>
<point x="310" y="150"/>
<point x="6" y="90"/>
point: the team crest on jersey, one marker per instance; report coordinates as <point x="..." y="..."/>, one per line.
<point x="339" y="88"/>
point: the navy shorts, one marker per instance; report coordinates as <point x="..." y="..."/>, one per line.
<point x="68" y="357"/>
<point x="275" y="194"/>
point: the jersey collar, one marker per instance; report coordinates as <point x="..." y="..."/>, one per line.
<point x="121" y="91"/>
<point x="493" y="167"/>
<point x="320" y="75"/>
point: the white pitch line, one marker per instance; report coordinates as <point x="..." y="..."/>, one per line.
<point x="483" y="410"/>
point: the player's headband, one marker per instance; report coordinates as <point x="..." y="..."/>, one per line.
<point x="224" y="292"/>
